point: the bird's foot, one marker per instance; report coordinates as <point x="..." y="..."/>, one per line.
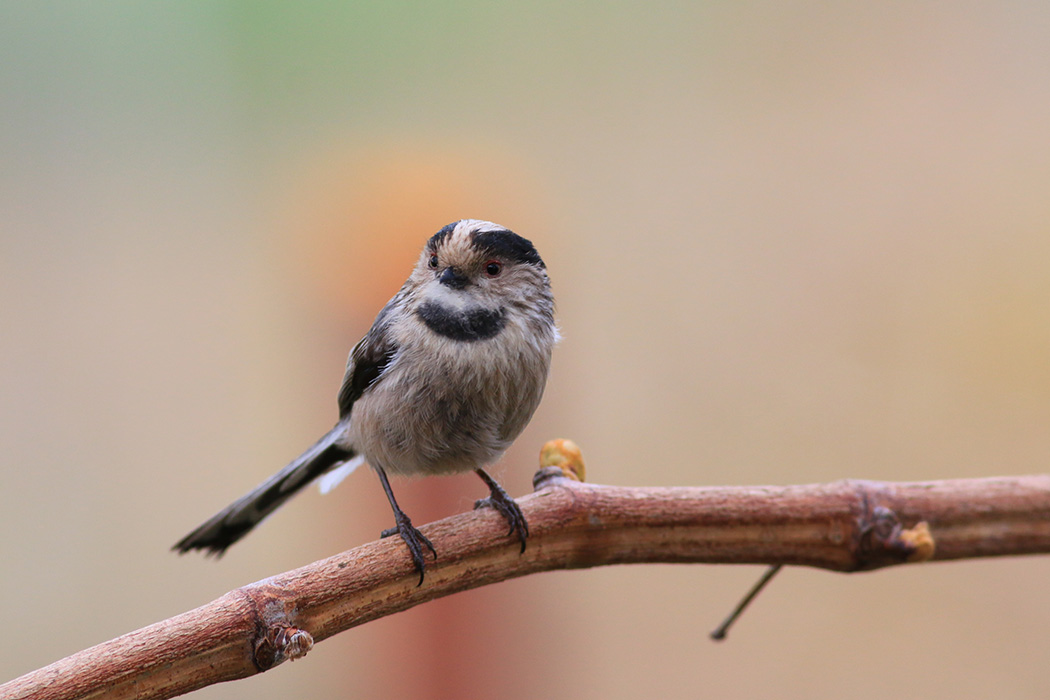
<point x="414" y="540"/>
<point x="507" y="507"/>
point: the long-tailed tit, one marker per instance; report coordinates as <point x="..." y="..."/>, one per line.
<point x="447" y="377"/>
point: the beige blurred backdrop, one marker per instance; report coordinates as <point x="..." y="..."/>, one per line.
<point x="791" y="242"/>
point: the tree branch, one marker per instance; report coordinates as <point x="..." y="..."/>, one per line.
<point x="842" y="526"/>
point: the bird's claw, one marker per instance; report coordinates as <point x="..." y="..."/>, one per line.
<point x="510" y="510"/>
<point x="414" y="540"/>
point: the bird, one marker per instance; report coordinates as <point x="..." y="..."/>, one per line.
<point x="447" y="377"/>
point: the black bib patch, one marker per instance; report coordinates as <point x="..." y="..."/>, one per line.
<point x="469" y="326"/>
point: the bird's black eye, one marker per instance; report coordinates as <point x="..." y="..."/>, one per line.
<point x="493" y="268"/>
<point x="433" y="261"/>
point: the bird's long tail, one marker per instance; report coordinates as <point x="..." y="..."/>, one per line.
<point x="237" y="519"/>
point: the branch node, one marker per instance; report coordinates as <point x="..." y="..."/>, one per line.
<point x="277" y="638"/>
<point x="920" y="540"/>
<point x="546" y="476"/>
<point x="566" y="455"/>
<point x="885" y="541"/>
<point x="281" y="644"/>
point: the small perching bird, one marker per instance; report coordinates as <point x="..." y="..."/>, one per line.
<point x="447" y="377"/>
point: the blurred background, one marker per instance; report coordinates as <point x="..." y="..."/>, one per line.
<point x="791" y="242"/>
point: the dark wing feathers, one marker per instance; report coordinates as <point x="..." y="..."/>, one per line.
<point x="368" y="359"/>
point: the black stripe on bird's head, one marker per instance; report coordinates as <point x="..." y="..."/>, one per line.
<point x="488" y="239"/>
<point x="507" y="245"/>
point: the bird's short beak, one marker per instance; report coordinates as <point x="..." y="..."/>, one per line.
<point x="453" y="278"/>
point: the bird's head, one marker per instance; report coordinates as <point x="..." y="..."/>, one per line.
<point x="472" y="275"/>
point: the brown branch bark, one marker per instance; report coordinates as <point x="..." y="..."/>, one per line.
<point x="843" y="526"/>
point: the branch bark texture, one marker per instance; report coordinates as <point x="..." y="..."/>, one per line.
<point x="842" y="526"/>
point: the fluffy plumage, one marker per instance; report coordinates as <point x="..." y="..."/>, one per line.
<point x="447" y="377"/>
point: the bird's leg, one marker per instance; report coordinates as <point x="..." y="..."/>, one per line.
<point x="414" y="539"/>
<point x="506" y="505"/>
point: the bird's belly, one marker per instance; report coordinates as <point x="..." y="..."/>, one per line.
<point x="435" y="423"/>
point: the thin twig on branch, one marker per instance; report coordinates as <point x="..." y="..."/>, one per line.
<point x="842" y="526"/>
